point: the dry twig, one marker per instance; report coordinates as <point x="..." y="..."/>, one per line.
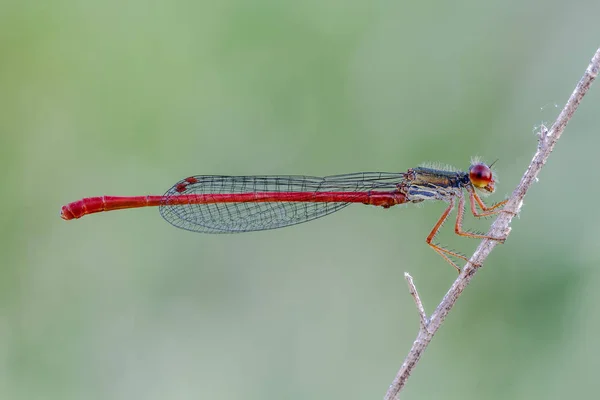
<point x="500" y="228"/>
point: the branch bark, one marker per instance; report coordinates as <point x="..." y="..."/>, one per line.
<point x="500" y="228"/>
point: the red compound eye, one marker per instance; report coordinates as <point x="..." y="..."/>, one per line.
<point x="481" y="177"/>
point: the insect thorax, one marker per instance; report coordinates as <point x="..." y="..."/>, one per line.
<point x="431" y="184"/>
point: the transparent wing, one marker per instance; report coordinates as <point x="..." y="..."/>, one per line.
<point x="243" y="216"/>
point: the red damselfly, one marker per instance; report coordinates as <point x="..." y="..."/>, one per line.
<point x="233" y="204"/>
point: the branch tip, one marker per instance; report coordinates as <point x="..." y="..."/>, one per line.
<point x="412" y="289"/>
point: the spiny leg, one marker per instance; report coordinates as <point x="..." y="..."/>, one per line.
<point x="438" y="249"/>
<point x="459" y="218"/>
<point x="474" y="197"/>
<point x="458" y="225"/>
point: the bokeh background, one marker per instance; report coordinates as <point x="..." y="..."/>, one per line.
<point x="126" y="98"/>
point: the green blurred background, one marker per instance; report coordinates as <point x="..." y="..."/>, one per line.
<point x="127" y="98"/>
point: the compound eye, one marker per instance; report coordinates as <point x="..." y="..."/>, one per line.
<point x="480" y="175"/>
